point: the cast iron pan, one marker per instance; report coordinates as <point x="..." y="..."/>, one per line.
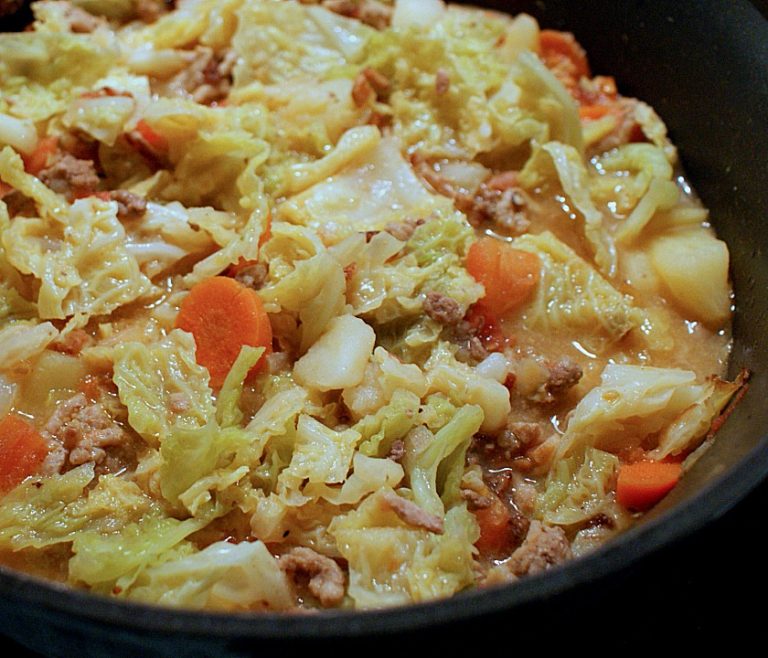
<point x="704" y="67"/>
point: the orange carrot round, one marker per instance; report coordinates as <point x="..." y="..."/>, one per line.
<point x="494" y="522"/>
<point x="593" y="112"/>
<point x="153" y="138"/>
<point x="22" y="451"/>
<point x="643" y="484"/>
<point x="36" y="161"/>
<point x="557" y="45"/>
<point x="508" y="275"/>
<point x="223" y="315"/>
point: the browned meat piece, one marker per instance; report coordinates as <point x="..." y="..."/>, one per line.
<point x="471" y="348"/>
<point x="362" y="92"/>
<point x="371" y="12"/>
<point x="207" y="79"/>
<point x="129" y="205"/>
<point x="179" y="403"/>
<point x="73" y="343"/>
<point x="403" y="230"/>
<point x="475" y="500"/>
<point x="80" y="21"/>
<point x="427" y="172"/>
<point x="396" y="451"/>
<point x="410" y="513"/>
<point x="253" y="275"/>
<point x="70" y="176"/>
<point x="378" y="81"/>
<point x="148" y="11"/>
<point x="443" y="309"/>
<point x="278" y="362"/>
<point x="77" y="433"/>
<point x="326" y="579"/>
<point x="369" y="85"/>
<point x="442" y="82"/>
<point x="563" y="375"/>
<point x="543" y="547"/>
<point x="503" y="208"/>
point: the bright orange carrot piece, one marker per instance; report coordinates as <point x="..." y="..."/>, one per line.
<point x="556" y="45"/>
<point x="494" y="522"/>
<point x="593" y="112"/>
<point x="223" y="315"/>
<point x="153" y="138"/>
<point x="509" y="275"/>
<point x="643" y="484"/>
<point x="22" y="451"/>
<point x="36" y="161"/>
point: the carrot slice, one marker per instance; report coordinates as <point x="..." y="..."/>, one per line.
<point x="153" y="138"/>
<point x="557" y="46"/>
<point x="643" y="484"/>
<point x="593" y="112"/>
<point x="509" y="275"/>
<point x="494" y="522"/>
<point x="22" y="451"/>
<point x="223" y="315"/>
<point x="36" y="161"/>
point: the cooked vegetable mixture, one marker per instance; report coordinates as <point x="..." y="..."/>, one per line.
<point x="349" y="303"/>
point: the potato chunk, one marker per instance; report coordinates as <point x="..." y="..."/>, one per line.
<point x="694" y="266"/>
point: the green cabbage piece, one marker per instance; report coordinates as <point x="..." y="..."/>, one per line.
<point x="389" y="424"/>
<point x="637" y="404"/>
<point x="578" y="488"/>
<point x="391" y="563"/>
<point x="564" y="163"/>
<point x="572" y="295"/>
<point x="462" y="385"/>
<point x="622" y="175"/>
<point x="385" y="378"/>
<point x="209" y="22"/>
<point x="390" y="280"/>
<point x="489" y="109"/>
<point x="222" y="576"/>
<point x="24" y="339"/>
<point x="550" y="100"/>
<point x="368" y="190"/>
<point x="147" y="378"/>
<point x="90" y="272"/>
<point x="321" y="455"/>
<point x="279" y="41"/>
<point x="245" y="246"/>
<point x="314" y="291"/>
<point x="209" y="149"/>
<point x="369" y="475"/>
<point x="661" y="195"/>
<point x="199" y="439"/>
<point x="44" y="511"/>
<point x="435" y="470"/>
<point x="49" y="204"/>
<point x="103" y="560"/>
<point x="41" y="71"/>
<point x="694" y="425"/>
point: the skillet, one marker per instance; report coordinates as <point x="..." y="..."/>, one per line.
<point x="704" y="67"/>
